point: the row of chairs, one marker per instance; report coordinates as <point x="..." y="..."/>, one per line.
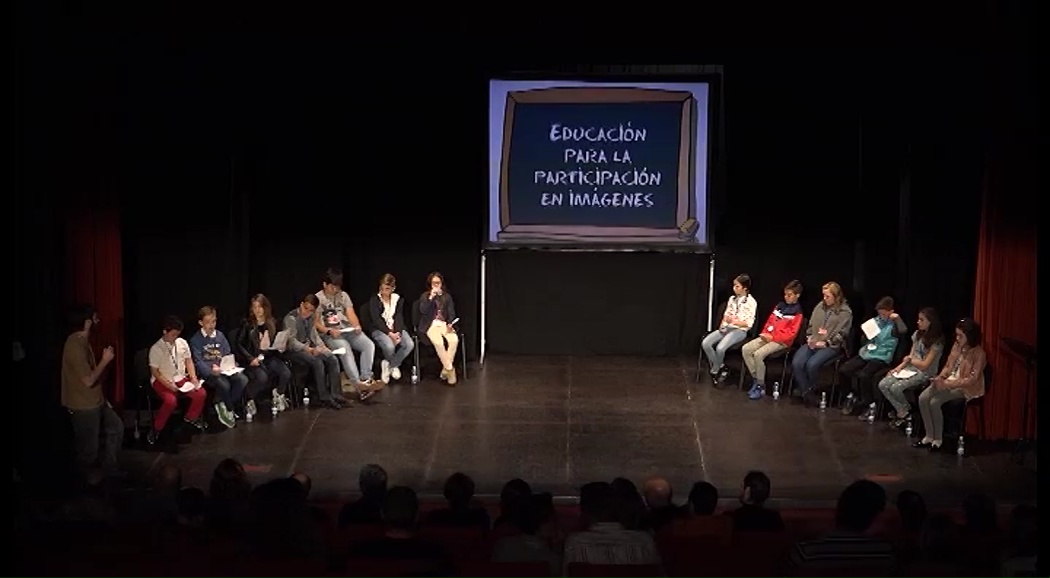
<point x="956" y="409"/>
<point x="300" y="374"/>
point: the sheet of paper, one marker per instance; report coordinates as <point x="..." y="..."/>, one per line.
<point x="904" y="373"/>
<point x="227" y="363"/>
<point x="188" y="386"/>
<point x="233" y="371"/>
<point x="280" y="341"/>
<point x="340" y="351"/>
<point x="870" y="328"/>
<point x="348" y="330"/>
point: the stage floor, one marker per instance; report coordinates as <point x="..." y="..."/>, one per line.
<point x="559" y="422"/>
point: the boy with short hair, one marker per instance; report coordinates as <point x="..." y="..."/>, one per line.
<point x="209" y="346"/>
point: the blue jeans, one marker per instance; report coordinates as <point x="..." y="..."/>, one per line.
<point x="717" y="343"/>
<point x="228" y="388"/>
<point x="395" y="355"/>
<point x="356" y="341"/>
<point x="806" y="364"/>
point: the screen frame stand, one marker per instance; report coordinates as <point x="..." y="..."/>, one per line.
<point x="710" y="292"/>
<point x="484" y="291"/>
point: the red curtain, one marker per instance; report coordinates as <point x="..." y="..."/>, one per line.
<point x="93" y="253"/>
<point x="1005" y="297"/>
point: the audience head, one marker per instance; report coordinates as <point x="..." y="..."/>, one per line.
<point x="929" y="324"/>
<point x="260" y="309"/>
<point x="82" y="317"/>
<point x="1024" y="530"/>
<point x="657" y="492"/>
<point x="703" y="499"/>
<point x="912" y="510"/>
<point x="280" y="517"/>
<point x="308" y="305"/>
<point x="530" y="513"/>
<point x="831" y="292"/>
<point x="741" y="284"/>
<point x="884" y="307"/>
<point x="305" y="480"/>
<point x="968" y="332"/>
<point x="756" y="488"/>
<point x="513" y="492"/>
<point x="980" y="513"/>
<point x="172" y="328"/>
<point x="401" y="508"/>
<point x="940" y="539"/>
<point x="387" y="284"/>
<point x="859" y="505"/>
<point x="792" y="291"/>
<point x="372" y="480"/>
<point x="598" y="503"/>
<point x="459" y="490"/>
<point x="207" y="317"/>
<point x="332" y="282"/>
<point x="435" y="281"/>
<point x="628" y="504"/>
<point x="229" y="482"/>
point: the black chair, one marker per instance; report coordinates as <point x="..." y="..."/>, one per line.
<point x="423" y="341"/>
<point x="955" y="412"/>
<point x="786" y="354"/>
<point x="751" y="334"/>
<point x="903" y="348"/>
<point x="834" y="363"/>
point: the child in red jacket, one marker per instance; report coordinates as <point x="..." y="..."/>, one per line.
<point x="778" y="333"/>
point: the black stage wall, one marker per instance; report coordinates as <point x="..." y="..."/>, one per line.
<point x="247" y="163"/>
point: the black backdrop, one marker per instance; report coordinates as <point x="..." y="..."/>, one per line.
<point x="247" y="162"/>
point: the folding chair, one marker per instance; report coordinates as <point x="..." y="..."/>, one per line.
<point x="423" y="341"/>
<point x="751" y="334"/>
<point x="786" y="353"/>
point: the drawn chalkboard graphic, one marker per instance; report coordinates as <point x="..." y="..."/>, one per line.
<point x="598" y="164"/>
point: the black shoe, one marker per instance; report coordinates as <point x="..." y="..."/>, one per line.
<point x="330" y="404"/>
<point x="342" y="401"/>
<point x="920" y="445"/>
<point x="934" y="448"/>
<point x="198" y="424"/>
<point x="848" y="406"/>
<point x="365" y="394"/>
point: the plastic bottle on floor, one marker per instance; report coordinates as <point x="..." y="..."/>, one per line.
<point x="823" y="400"/>
<point x="776" y="390"/>
<point x="306" y="397"/>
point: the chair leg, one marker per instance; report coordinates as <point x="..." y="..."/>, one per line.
<point x="415" y="355"/>
<point x="699" y="364"/>
<point x="463" y="355"/>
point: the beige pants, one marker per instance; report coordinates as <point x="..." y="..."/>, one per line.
<point x="755" y="353"/>
<point x="438" y="336"/>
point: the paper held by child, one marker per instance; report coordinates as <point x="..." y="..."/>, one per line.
<point x="870" y="328"/>
<point x="228" y="366"/>
<point x="904" y="373"/>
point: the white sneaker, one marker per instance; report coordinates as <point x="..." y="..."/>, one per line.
<point x="385" y="371"/>
<point x="282" y="402"/>
<point x="395" y="373"/>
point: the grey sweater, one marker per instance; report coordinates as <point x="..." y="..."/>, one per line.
<point x="301" y="332"/>
<point x="837" y="321"/>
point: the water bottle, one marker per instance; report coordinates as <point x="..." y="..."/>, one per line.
<point x="907" y="427"/>
<point x="776" y="390"/>
<point x="306" y="397"/>
<point x="960" y="449"/>
<point x="871" y="413"/>
<point x="415" y="375"/>
<point x="136" y="434"/>
<point x="823" y="400"/>
<point x="273" y="409"/>
<point x="249" y="416"/>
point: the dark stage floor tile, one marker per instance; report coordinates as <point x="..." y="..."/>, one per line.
<point x="559" y="422"/>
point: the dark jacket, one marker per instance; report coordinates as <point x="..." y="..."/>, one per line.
<point x="247" y="346"/>
<point x="375" y="314"/>
<point x="428" y="309"/>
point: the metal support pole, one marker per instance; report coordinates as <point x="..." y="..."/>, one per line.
<point x="711" y="293"/>
<point x="484" y="289"/>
